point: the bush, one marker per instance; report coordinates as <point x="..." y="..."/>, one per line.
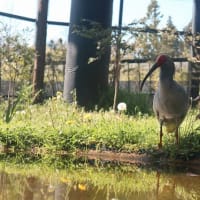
<point x="136" y="102"/>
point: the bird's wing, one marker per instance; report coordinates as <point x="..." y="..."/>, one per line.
<point x="171" y="102"/>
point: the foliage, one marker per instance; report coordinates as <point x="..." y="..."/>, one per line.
<point x="66" y="127"/>
<point x="57" y="127"/>
<point x="23" y="99"/>
<point x="150" y="42"/>
<point x="189" y="146"/>
<point x="16" y="59"/>
<point x="11" y="109"/>
<point x="55" y="65"/>
<point x="100" y="36"/>
<point x="136" y="102"/>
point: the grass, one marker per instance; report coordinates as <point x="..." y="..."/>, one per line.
<point x="57" y="126"/>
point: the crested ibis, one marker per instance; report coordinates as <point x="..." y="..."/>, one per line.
<point x="170" y="102"/>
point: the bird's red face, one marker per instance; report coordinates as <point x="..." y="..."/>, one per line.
<point x="161" y="60"/>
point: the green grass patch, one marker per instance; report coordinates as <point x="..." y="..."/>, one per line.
<point x="57" y="126"/>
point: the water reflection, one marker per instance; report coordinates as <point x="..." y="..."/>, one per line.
<point x="96" y="182"/>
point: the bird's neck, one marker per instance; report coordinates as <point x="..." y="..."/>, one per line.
<point x="167" y="73"/>
<point x="166" y="77"/>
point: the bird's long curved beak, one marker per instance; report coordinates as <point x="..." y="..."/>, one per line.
<point x="153" y="68"/>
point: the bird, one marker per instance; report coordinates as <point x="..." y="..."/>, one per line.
<point x="170" y="101"/>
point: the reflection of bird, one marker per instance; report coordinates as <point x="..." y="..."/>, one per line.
<point x="170" y="102"/>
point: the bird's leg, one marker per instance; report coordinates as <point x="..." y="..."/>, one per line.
<point x="161" y="134"/>
<point x="176" y="135"/>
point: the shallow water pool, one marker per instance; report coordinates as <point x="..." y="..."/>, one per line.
<point x="82" y="179"/>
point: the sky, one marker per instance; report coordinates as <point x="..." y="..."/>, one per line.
<point x="59" y="10"/>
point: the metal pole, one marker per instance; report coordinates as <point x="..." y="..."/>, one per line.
<point x="120" y="15"/>
<point x="40" y="48"/>
<point x="118" y="58"/>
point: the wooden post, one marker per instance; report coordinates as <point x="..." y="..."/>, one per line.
<point x="40" y="48"/>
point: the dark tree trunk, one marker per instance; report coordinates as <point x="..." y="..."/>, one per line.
<point x="195" y="67"/>
<point x="87" y="79"/>
<point x="40" y="47"/>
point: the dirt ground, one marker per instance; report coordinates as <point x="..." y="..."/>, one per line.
<point x="139" y="159"/>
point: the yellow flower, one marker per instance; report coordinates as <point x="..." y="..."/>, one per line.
<point x="82" y="187"/>
<point x="87" y="116"/>
<point x="65" y="180"/>
<point x="69" y="122"/>
<point x="58" y="95"/>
